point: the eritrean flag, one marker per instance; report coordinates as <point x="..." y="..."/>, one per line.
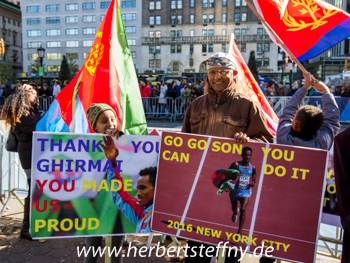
<point x="247" y="85"/>
<point x="108" y="76"/>
<point x="306" y="27"/>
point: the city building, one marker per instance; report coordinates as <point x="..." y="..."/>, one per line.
<point x="10" y="19"/>
<point x="69" y="28"/>
<point x="178" y="36"/>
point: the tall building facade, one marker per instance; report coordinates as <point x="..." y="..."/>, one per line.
<point x="11" y="29"/>
<point x="179" y="36"/>
<point x="69" y="27"/>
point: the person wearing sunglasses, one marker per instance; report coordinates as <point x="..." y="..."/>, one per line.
<point x="224" y="112"/>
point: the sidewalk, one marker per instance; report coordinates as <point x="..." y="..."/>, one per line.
<point x="14" y="249"/>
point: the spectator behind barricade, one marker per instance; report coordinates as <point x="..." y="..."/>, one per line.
<point x="21" y="111"/>
<point x="308" y="126"/>
<point x="270" y="91"/>
<point x="145" y="91"/>
<point x="65" y="83"/>
<point x="273" y="85"/>
<point x="280" y="89"/>
<point x="162" y="98"/>
<point x="13" y="89"/>
<point x="156" y="93"/>
<point x="200" y="90"/>
<point x="8" y="84"/>
<point x="56" y="89"/>
<point x="262" y="88"/>
<point x="294" y="89"/>
<point x="173" y="93"/>
<point x="345" y="92"/>
<point x="194" y="93"/>
<point x="44" y="92"/>
<point x="2" y="86"/>
<point x="287" y="90"/>
<point x="186" y="97"/>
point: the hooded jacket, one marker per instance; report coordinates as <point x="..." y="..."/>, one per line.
<point x="226" y="114"/>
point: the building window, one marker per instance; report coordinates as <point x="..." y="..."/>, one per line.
<point x="33" y="56"/>
<point x="34" y="33"/>
<point x="151" y="5"/>
<point x="224" y="2"/>
<point x="244" y="3"/>
<point x="211" y="3"/>
<point x="33" y="21"/>
<point x="191" y="33"/>
<point x="211" y="32"/>
<point x="131" y="42"/>
<point x="151" y="63"/>
<point x="151" y="20"/>
<point x="53" y="56"/>
<point x="33" y="9"/>
<point x="176" y="66"/>
<point x="101" y="17"/>
<point x="105" y="5"/>
<point x="128" y="4"/>
<point x="72" y="55"/>
<point x="130" y="29"/>
<point x="89" y="19"/>
<point x="71" y="31"/>
<point x="205" y="3"/>
<point x="173" y="20"/>
<point x="34" y="44"/>
<point x="237" y="32"/>
<point x="52" y="8"/>
<point x="258" y="62"/>
<point x="243" y="47"/>
<point x="260" y="31"/>
<point x="204" y="48"/>
<point x="127" y="17"/>
<point x="204" y="32"/>
<point x="210" y="48"/>
<point x="205" y="19"/>
<point x="191" y="3"/>
<point x="191" y="48"/>
<point x="178" y="49"/>
<point x="238" y="2"/>
<point x="259" y="47"/>
<point x="53" y="44"/>
<point x="158" y="5"/>
<point x="53" y="68"/>
<point x="133" y="54"/>
<point x="53" y="32"/>
<point x="151" y="50"/>
<point x="157" y="49"/>
<point x="224" y="18"/>
<point x="192" y="19"/>
<point x="72" y="43"/>
<point x="71" y="7"/>
<point x="158" y="20"/>
<point x="53" y="20"/>
<point x="173" y="4"/>
<point x="172" y="48"/>
<point x="89" y="31"/>
<point x="71" y="19"/>
<point x="179" y="4"/>
<point x="179" y="19"/>
<point x="211" y="18"/>
<point x="244" y="31"/>
<point x="87" y="43"/>
<point x="244" y="17"/>
<point x="87" y="6"/>
<point x="85" y="55"/>
<point x="266" y="62"/>
<point x="237" y="17"/>
<point x="157" y="33"/>
<point x="223" y="48"/>
<point x="224" y="32"/>
<point x="179" y="33"/>
<point x="267" y="47"/>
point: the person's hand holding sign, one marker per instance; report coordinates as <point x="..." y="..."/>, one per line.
<point x="241" y="137"/>
<point x="110" y="149"/>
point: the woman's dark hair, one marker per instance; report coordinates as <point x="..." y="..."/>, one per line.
<point x="16" y="105"/>
<point x="158" y="85"/>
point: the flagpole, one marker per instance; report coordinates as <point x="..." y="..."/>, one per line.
<point x="277" y="37"/>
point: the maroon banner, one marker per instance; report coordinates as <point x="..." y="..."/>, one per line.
<point x="212" y="189"/>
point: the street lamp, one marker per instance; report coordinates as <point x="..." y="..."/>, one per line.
<point x="41" y="55"/>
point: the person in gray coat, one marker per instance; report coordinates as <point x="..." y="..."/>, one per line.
<point x="308" y="126"/>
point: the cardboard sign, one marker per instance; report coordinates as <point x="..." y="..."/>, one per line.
<point x="281" y="209"/>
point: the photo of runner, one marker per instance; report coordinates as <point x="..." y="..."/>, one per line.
<point x="242" y="188"/>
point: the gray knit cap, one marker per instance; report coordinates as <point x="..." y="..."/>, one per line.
<point x="95" y="110"/>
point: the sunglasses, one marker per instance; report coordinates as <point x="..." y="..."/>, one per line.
<point x="224" y="62"/>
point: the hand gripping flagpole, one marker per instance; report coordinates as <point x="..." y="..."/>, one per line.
<point x="277" y="37"/>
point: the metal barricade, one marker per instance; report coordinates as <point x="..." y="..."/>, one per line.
<point x="181" y="105"/>
<point x="154" y="109"/>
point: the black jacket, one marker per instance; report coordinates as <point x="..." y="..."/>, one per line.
<point x="24" y="133"/>
<point x="173" y="93"/>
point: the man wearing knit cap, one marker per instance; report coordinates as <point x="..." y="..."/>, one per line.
<point x="224" y="112"/>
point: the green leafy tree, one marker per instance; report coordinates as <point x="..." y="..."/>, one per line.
<point x="35" y="66"/>
<point x="253" y="66"/>
<point x="65" y="73"/>
<point x="6" y="71"/>
<point x="73" y="66"/>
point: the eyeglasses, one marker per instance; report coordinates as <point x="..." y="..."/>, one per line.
<point x="224" y="72"/>
<point x="224" y="62"/>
